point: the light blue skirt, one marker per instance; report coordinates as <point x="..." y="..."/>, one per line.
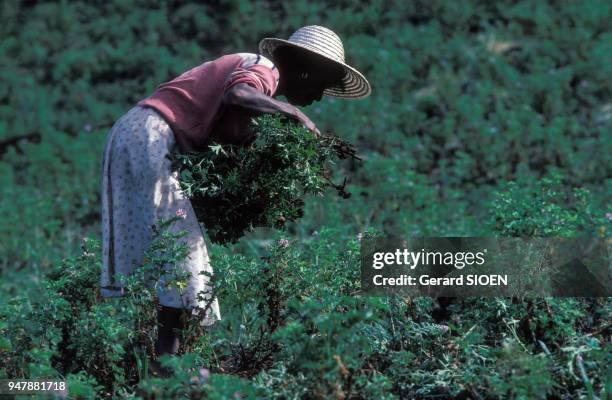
<point x="138" y="187"/>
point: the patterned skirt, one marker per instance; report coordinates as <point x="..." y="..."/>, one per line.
<point x="138" y="187"/>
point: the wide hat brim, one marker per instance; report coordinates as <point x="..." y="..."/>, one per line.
<point x="354" y="84"/>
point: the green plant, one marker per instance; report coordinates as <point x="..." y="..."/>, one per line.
<point x="234" y="189"/>
<point x="548" y="208"/>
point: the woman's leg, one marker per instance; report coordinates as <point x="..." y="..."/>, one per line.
<point x="169" y="325"/>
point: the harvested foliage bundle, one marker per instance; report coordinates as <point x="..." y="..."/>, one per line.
<point x="234" y="189"/>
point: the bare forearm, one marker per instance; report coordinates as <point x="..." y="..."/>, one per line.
<point x="245" y="96"/>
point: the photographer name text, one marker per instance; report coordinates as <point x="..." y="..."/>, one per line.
<point x="426" y="280"/>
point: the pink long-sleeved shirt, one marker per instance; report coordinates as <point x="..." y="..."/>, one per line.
<point x="192" y="102"/>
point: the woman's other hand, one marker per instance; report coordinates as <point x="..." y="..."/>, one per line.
<point x="301" y="117"/>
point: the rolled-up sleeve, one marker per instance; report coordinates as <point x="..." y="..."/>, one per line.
<point x="256" y="71"/>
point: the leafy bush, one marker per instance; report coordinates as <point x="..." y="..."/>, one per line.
<point x="234" y="189"/>
<point x="548" y="208"/>
<point x="105" y="343"/>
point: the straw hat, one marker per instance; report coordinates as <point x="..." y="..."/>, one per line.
<point x="324" y="42"/>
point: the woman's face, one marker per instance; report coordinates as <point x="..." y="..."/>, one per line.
<point x="304" y="76"/>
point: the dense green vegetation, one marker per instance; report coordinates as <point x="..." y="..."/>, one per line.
<point x="486" y="118"/>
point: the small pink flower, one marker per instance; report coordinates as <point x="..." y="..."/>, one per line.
<point x="181" y="213"/>
<point x="609" y="216"/>
<point x="444" y="328"/>
<point x="283" y="243"/>
<point x="204" y="374"/>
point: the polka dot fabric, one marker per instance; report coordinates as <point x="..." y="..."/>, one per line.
<point x="138" y="187"/>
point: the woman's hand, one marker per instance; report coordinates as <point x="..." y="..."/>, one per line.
<point x="301" y="117"/>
